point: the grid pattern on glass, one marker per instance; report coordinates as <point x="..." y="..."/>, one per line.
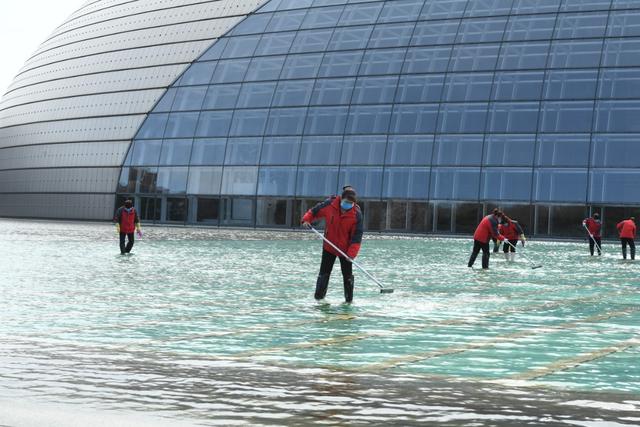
<point x="461" y="100"/>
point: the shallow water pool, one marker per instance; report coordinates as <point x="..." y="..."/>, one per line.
<point x="219" y="327"/>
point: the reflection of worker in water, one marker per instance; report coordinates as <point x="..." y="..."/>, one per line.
<point x="487" y="229"/>
<point x="343" y="228"/>
<point x="627" y="230"/>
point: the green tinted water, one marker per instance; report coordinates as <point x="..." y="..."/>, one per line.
<point x="220" y="327"/>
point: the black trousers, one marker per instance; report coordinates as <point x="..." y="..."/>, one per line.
<point x="126" y="249"/>
<point x="477" y="246"/>
<point x="592" y="245"/>
<point x="322" y="284"/>
<point x="328" y="259"/>
<point x="509" y="247"/>
<point x="631" y="244"/>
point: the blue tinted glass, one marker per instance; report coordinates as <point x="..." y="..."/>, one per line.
<point x="204" y="180"/>
<point x="276" y="181"/>
<point x="146" y="152"/>
<point x="401" y="10"/>
<point x="332" y="91"/>
<point x="581" y="25"/>
<point x="231" y="70"/>
<point x="443" y="9"/>
<point x="615" y="151"/>
<point x="468" y="87"/>
<point x="248" y="122"/>
<point x="175" y="152"/>
<point x="375" y="90"/>
<point x="488" y="7"/>
<point x="238" y="47"/>
<point x="153" y="126"/>
<point x="577" y="5"/>
<point x="575" y="54"/>
<point x="563" y="150"/>
<point x="409" y="150"/>
<point x="621" y="53"/>
<point x="509" y="150"/>
<point x="523" y="56"/>
<point x="326" y="120"/>
<point x="253" y="24"/>
<point x="324" y="17"/>
<point x="181" y="125"/>
<point x="474" y="57"/>
<point x="391" y="35"/>
<point x="208" y="151"/>
<point x="221" y="97"/>
<point x="198" y="74"/>
<point x="316" y="182"/>
<point x="566" y="116"/>
<point x="311" y="41"/>
<point x="620" y="83"/>
<point x="385" y="61"/>
<point x="412" y="119"/>
<point x="363" y="150"/>
<point x="341" y="64"/>
<point x="357" y="14"/>
<point x="517" y="85"/>
<point x="535" y="6"/>
<point x="166" y="101"/>
<point x="624" y="23"/>
<point x="280" y="151"/>
<point x="275" y="44"/>
<point x="286" y="21"/>
<point x="320" y="150"/>
<point x="369" y="119"/>
<point x="427" y="59"/>
<point x="301" y="66"/>
<point x="189" y="98"/>
<point x="574" y="84"/>
<point x="256" y="95"/>
<point x="214" y="123"/>
<point x="293" y="92"/>
<point x="243" y="151"/>
<point x="429" y="33"/>
<point x="624" y="4"/>
<point x="172" y="180"/>
<point x="294" y="4"/>
<point x="560" y="185"/>
<point x="481" y="30"/>
<point x="350" y="38"/>
<point x="506" y="184"/>
<point x="615" y="186"/>
<point x="513" y="117"/>
<point x="458" y="150"/>
<point x="267" y="68"/>
<point x="420" y="88"/>
<point x="455" y="183"/>
<point x="239" y="181"/>
<point x="368" y="181"/>
<point x="286" y="121"/>
<point x="215" y="51"/>
<point x="617" y="116"/>
<point x="530" y="27"/>
<point x="406" y="183"/>
<point x="463" y="118"/>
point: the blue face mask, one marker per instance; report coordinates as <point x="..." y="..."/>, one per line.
<point x="346" y="205"/>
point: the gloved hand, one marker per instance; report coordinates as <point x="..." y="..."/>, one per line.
<point x="500" y="237"/>
<point x="522" y="239"/>
<point x="352" y="251"/>
<point x="306" y="224"/>
<point x="117" y="228"/>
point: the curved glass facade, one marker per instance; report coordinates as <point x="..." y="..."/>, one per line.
<point x="434" y="110"/>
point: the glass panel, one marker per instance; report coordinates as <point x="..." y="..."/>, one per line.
<point x="621" y="53"/>
<point x="463" y="118"/>
<point x="175" y="152"/>
<point x="237" y="211"/>
<point x="569" y="116"/>
<point x="397" y="215"/>
<point x="391" y="35"/>
<point x="146" y="152"/>
<point x="459" y="150"/>
<point x="455" y="183"/>
<point x="239" y="180"/>
<point x="363" y="150"/>
<point x="513" y="117"/>
<point x="566" y="220"/>
<point x="317" y="182"/>
<point x="617" y="116"/>
<point x="231" y="70"/>
<point x="401" y="10"/>
<point x="581" y="25"/>
<point x="530" y="27"/>
<point x="268" y="68"/>
<point x="467" y="216"/>
<point x="420" y="217"/>
<point x="509" y="150"/>
<point x="147" y="179"/>
<point x="418" y="118"/>
<point x="615" y="186"/>
<point x="488" y="7"/>
<point x="624" y="23"/>
<point x="384" y="61"/>
<point x="301" y="66"/>
<point x="208" y="210"/>
<point x="311" y="41"/>
<point x="474" y="57"/>
<point x="468" y="87"/>
<point x="406" y="183"/>
<point x="359" y="14"/>
<point x="409" y="150"/>
<point x="205" y="180"/>
<point x="172" y="180"/>
<point x="321" y="150"/>
<point x="563" y="150"/>
<point x="286" y="21"/>
<point x="367" y="181"/>
<point x="369" y="119"/>
<point x="215" y="50"/>
<point x="481" y="30"/>
<point x="153" y="126"/>
<point x="429" y="33"/>
<point x="375" y="216"/>
<point x="275" y="43"/>
<point x="421" y="88"/>
<point x="618" y="151"/>
<point x="375" y="90"/>
<point x="295" y="92"/>
<point x="564" y="186"/>
<point x="575" y="54"/>
<point x="280" y="151"/>
<point x="332" y="91"/>
<point x="177" y="209"/>
<point x="238" y="47"/>
<point x="189" y="98"/>
<point x="271" y="212"/>
<point x="256" y="95"/>
<point x="523" y="56"/>
<point x="535" y="6"/>
<point x="214" y="123"/>
<point x="181" y="125"/>
<point x="443" y="9"/>
<point x="337" y="64"/>
<point x="575" y="5"/>
<point x="286" y="121"/>
<point x="620" y="83"/>
<point x="254" y="24"/>
<point x="221" y="97"/>
<point x="322" y="17"/>
<point x="166" y="101"/>
<point x="427" y="59"/>
<point x="326" y="120"/>
<point x="248" y="122"/>
<point x="506" y="184"/>
<point x="208" y="151"/>
<point x="276" y="181"/>
<point x="517" y="85"/>
<point x="574" y="84"/>
<point x="150" y="209"/>
<point x="199" y="73"/>
<point x="346" y="38"/>
<point x="243" y="151"/>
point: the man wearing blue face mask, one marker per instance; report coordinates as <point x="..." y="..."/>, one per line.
<point x="343" y="228"/>
<point x="127" y="222"/>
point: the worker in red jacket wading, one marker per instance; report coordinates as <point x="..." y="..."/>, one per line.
<point x="627" y="231"/>
<point x="343" y="228"/>
<point x="512" y="232"/>
<point x="127" y="222"/>
<point x="487" y="229"/>
<point x="593" y="225"/>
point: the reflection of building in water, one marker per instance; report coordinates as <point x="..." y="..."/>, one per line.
<point x="247" y="114"/>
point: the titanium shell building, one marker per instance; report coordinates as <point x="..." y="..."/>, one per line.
<point x="246" y="112"/>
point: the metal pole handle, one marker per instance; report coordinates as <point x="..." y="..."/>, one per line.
<point x="592" y="238"/>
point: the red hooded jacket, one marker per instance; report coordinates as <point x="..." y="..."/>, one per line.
<point x="594" y="226"/>
<point x="510" y="230"/>
<point x="487" y="229"/>
<point x="127" y="218"/>
<point x="627" y="229"/>
<point x="342" y="229"/>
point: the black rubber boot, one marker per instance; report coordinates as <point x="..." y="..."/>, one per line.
<point x="321" y="286"/>
<point x="348" y="288"/>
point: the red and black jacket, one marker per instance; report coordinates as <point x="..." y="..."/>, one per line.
<point x="343" y="229"/>
<point x="127" y="218"/>
<point x="627" y="229"/>
<point x="487" y="229"/>
<point x="594" y="226"/>
<point x="511" y="230"/>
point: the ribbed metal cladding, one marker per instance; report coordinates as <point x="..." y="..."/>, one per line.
<point x="68" y="118"/>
